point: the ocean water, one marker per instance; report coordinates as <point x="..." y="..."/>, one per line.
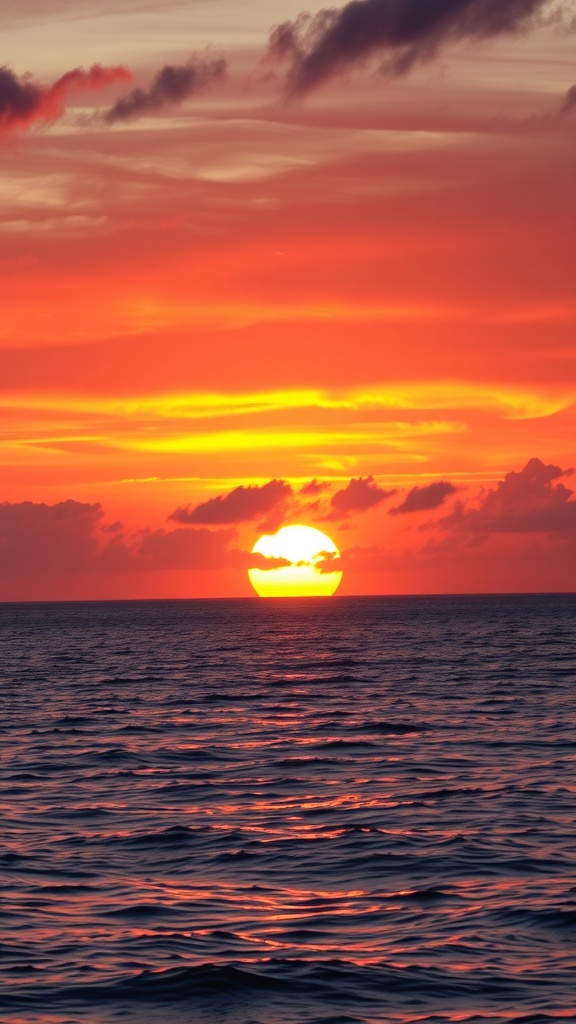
<point x="335" y="811"/>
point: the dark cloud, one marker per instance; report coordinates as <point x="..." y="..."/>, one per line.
<point x="38" y="538"/>
<point x="20" y="99"/>
<point x="569" y="102"/>
<point x="196" y="549"/>
<point x="328" y="561"/>
<point x="241" y="505"/>
<point x="423" y="499"/>
<point x="172" y="85"/>
<point x="272" y="504"/>
<point x="403" y="32"/>
<point x="71" y="538"/>
<point x="524" y="502"/>
<point x="356" y="559"/>
<point x="257" y="561"/>
<point x="360" y="494"/>
<point x="182" y="549"/>
<point x="24" y="102"/>
<point x="315" y="486"/>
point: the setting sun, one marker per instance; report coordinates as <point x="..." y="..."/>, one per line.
<point x="309" y="553"/>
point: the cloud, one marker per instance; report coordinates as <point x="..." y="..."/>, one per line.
<point x="328" y="561"/>
<point x="569" y="101"/>
<point x="422" y="499"/>
<point x="72" y="538"/>
<point x="39" y="538"/>
<point x="360" y="495"/>
<point x="255" y="560"/>
<point x="182" y="549"/>
<point x="524" y="502"/>
<point x="314" y="487"/>
<point x="24" y="102"/>
<point x="185" y="548"/>
<point x="356" y="559"/>
<point x="173" y="84"/>
<point x="243" y="504"/>
<point x="404" y="32"/>
<point x="272" y="504"/>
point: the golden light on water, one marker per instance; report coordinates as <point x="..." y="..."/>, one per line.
<point x="309" y="553"/>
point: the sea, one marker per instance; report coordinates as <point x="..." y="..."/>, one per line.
<point x="297" y="811"/>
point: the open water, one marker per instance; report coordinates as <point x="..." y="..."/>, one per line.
<point x="338" y="811"/>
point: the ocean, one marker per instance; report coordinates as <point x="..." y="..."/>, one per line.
<point x="314" y="811"/>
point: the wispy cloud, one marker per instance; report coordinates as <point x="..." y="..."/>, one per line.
<point x="173" y="84"/>
<point x="24" y="102"/>
<point x="317" y="47"/>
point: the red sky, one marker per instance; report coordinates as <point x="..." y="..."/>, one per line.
<point x="354" y="265"/>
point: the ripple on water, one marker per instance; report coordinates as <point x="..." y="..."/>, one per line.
<point x="334" y="812"/>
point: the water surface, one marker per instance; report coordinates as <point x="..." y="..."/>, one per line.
<point x="336" y="811"/>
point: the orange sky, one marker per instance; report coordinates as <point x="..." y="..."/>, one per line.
<point x="368" y="284"/>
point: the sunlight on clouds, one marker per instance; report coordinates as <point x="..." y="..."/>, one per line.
<point x="45" y="191"/>
<point x="145" y="437"/>
<point x="364" y="292"/>
<point x="54" y="225"/>
<point x="306" y="147"/>
<point x="448" y="395"/>
<point x="46" y="204"/>
<point x="510" y="403"/>
<point x="249" y="441"/>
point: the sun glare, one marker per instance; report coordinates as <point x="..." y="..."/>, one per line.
<point x="308" y="553"/>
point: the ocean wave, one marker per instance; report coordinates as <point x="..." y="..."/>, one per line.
<point x="356" y="811"/>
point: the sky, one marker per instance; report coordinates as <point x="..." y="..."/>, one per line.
<point x="265" y="265"/>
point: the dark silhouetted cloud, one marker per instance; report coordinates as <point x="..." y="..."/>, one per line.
<point x="24" y="102"/>
<point x="360" y="494"/>
<point x="173" y="84"/>
<point x="257" y="561"/>
<point x="569" y="102"/>
<point x="524" y="502"/>
<point x="328" y="561"/>
<point x="315" y="487"/>
<point x="38" y="538"/>
<point x="182" y="549"/>
<point x="72" y="539"/>
<point x="243" y="504"/>
<point x="402" y="32"/>
<point x="423" y="499"/>
<point x="356" y="559"/>
<point x="195" y="549"/>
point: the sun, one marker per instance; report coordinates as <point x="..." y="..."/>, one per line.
<point x="308" y="574"/>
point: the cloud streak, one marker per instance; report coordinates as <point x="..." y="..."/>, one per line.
<point x="24" y="102"/>
<point x="173" y="84"/>
<point x="402" y="33"/>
